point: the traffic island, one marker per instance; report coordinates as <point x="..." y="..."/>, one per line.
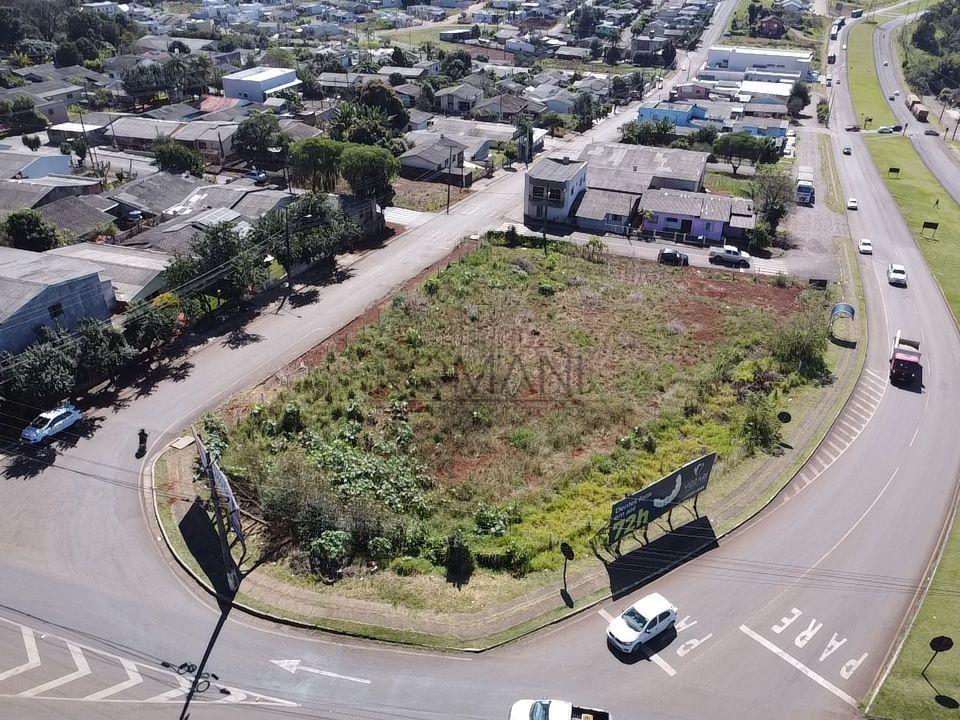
<point x="414" y="601"/>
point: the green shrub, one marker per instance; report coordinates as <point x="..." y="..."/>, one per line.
<point x="801" y="345"/>
<point x="521" y="438"/>
<point x="330" y="551"/>
<point x="760" y="428"/>
<point x="407" y="566"/>
<point x="491" y="520"/>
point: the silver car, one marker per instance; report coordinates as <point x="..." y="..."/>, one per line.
<point x="48" y="424"/>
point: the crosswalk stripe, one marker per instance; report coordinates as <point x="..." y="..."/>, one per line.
<point x="83" y="669"/>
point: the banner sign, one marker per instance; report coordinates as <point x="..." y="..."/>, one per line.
<point x="209" y="465"/>
<point x="658" y="499"/>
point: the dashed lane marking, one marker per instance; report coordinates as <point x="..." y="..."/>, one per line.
<point x="819" y="679"/>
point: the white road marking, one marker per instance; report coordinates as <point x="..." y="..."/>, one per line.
<point x="83" y="669"/>
<point x="852" y="428"/>
<point x="819" y="679"/>
<point x="33" y="655"/>
<point x="914" y="438"/>
<point x="663" y="664"/>
<point x="133" y="678"/>
<point x="171" y="694"/>
<point x="605" y="615"/>
<point x="293" y="666"/>
<point x="836" y="447"/>
<point x="871" y="391"/>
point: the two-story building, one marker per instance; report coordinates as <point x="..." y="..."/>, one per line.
<point x="552" y="187"/>
<point x="458" y="99"/>
<point x="259" y="83"/>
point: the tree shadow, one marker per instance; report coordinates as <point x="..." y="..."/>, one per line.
<point x="28" y="462"/>
<point x="302" y="298"/>
<point x="239" y="337"/>
<point x="146" y="384"/>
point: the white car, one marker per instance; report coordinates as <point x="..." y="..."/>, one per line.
<point x="865" y="247"/>
<point x="852" y="204"/>
<point x="897" y="275"/>
<point x="50" y="423"/>
<point x="641" y="622"/>
<point x="884" y="63"/>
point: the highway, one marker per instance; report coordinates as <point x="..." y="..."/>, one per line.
<point x="793" y="616"/>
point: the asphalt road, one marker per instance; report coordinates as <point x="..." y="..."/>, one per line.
<point x="792" y="617"/>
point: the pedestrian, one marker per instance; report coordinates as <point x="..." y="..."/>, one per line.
<point x="936" y="204"/>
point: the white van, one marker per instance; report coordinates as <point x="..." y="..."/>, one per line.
<point x="829" y="80"/>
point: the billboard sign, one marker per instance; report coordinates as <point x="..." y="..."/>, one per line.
<point x="222" y="485"/>
<point x="658" y="499"/>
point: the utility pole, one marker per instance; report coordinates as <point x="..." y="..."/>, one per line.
<point x="449" y="178"/>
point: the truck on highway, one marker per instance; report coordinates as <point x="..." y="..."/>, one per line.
<point x="856" y="12"/>
<point x="905" y="365"/>
<point x="920" y="111"/>
<point x="806" y="192"/>
<point x="831" y="58"/>
<point x="554" y="710"/>
<point x="910" y="101"/>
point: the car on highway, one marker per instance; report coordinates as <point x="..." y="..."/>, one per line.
<point x="553" y="710"/>
<point x="669" y="256"/>
<point x="897" y="128"/>
<point x="897" y="275"/>
<point x="852" y="204"/>
<point x="844" y="46"/>
<point x="852" y="128"/>
<point x="891" y="98"/>
<point x="884" y="130"/>
<point x="50" y="423"/>
<point x="865" y="247"/>
<point x="847" y="150"/>
<point x="884" y="63"/>
<point x="640" y="623"/>
<point x="730" y="255"/>
<point x="932" y="131"/>
<point x="897" y="93"/>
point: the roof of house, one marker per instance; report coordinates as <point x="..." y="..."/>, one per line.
<point x="298" y="130"/>
<point x="618" y="179"/>
<point x="720" y="208"/>
<point x="461" y="91"/>
<point x="410" y="89"/>
<point x="74" y="215"/>
<point x="418" y="117"/>
<point x="511" y="104"/>
<point x="142" y="128"/>
<point x="14" y="196"/>
<point x="13" y="163"/>
<point x="597" y="204"/>
<point x="556" y="169"/>
<point x="655" y="161"/>
<point x="155" y="193"/>
<point x="177" y="234"/>
<point x="260" y="201"/>
<point x="41" y="90"/>
<point x="407" y="72"/>
<point x="130" y="269"/>
<point x="25" y="274"/>
<point x="436" y="152"/>
<point x="176" y="111"/>
<point x="162" y="42"/>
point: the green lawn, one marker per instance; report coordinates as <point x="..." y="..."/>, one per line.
<point x="868" y="97"/>
<point x="916" y="192"/>
<point x="727" y="183"/>
<point x="415" y="36"/>
<point x="810" y="37"/>
<point x="905" y="694"/>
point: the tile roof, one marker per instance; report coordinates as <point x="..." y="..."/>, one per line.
<point x="597" y="204"/>
<point x="554" y="169"/>
<point x="155" y="193"/>
<point x="74" y="215"/>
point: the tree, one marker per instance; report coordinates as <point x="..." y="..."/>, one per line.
<point x="584" y="110"/>
<point x="377" y="95"/>
<point x="87" y="49"/>
<point x="395" y="79"/>
<point x="45" y="370"/>
<point x="457" y="64"/>
<point x="178" y="158"/>
<point x="79" y="145"/>
<point x="315" y="163"/>
<point x="399" y="58"/>
<point x="707" y="135"/>
<point x="772" y="191"/>
<point x="753" y="12"/>
<point x="428" y="48"/>
<point x="596" y="49"/>
<point x="221" y="250"/>
<point x="279" y="58"/>
<point x="795" y="106"/>
<point x="612" y="55"/>
<point x="369" y="172"/>
<point x="427" y="99"/>
<point x="39" y="51"/>
<point x="67" y="54"/>
<point x="799" y="97"/>
<point x="103" y="351"/>
<point x="12" y="28"/>
<point x="586" y="18"/>
<point x="647" y="132"/>
<point x="550" y="120"/>
<point x="258" y="134"/>
<point x="31" y="141"/>
<point x="767" y="151"/>
<point x="28" y="230"/>
<point x="149" y="324"/>
<point x="668" y="55"/>
<point x="735" y="148"/>
<point x="361" y="124"/>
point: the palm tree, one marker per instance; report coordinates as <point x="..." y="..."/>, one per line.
<point x="199" y="73"/>
<point x="427" y="47"/>
<point x="176" y="68"/>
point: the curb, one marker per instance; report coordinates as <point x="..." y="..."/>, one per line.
<point x="791" y="473"/>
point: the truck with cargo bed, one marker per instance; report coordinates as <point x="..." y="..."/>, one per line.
<point x="905" y="365"/>
<point x="806" y="193"/>
<point x="554" y="710"/>
<point x="729" y="255"/>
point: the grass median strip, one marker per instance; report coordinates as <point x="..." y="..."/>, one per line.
<point x="921" y="198"/>
<point x="868" y="97"/>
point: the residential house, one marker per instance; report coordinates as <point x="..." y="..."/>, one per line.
<point x="771" y="27"/>
<point x="553" y="97"/>
<point x="177" y="234"/>
<point x="47" y="290"/>
<point x="680" y="114"/>
<point x="77" y="216"/>
<point x="134" y="274"/>
<point x="428" y="13"/>
<point x="552" y="187"/>
<point x="487" y="17"/>
<point x="259" y="83"/>
<point x="15" y="165"/>
<point x="652" y="167"/>
<point x="363" y="211"/>
<point x="323" y="30"/>
<point x="578" y="54"/>
<point x="162" y="43"/>
<point x="598" y="88"/>
<point x="51" y="98"/>
<point x="152" y="195"/>
<point x="418" y="120"/>
<point x="431" y="66"/>
<point x="435" y="162"/>
<point x="408" y="73"/>
<point x="715" y="218"/>
<point x="603" y="211"/>
<point x="694" y="90"/>
<point x="458" y="99"/>
<point x="761" y="126"/>
<point x="506" y="108"/>
<point x="408" y="93"/>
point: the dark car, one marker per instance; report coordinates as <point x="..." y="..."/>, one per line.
<point x="852" y="128"/>
<point x="932" y="131"/>
<point x="897" y="128"/>
<point x="672" y="257"/>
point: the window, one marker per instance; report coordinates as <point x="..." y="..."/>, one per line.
<point x="539" y="210"/>
<point x="707" y="226"/>
<point x="55" y="310"/>
<point x="538" y="191"/>
<point x="555" y="194"/>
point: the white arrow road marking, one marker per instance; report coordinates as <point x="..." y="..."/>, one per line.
<point x="33" y="655"/>
<point x="83" y="669"/>
<point x="292" y="666"/>
<point x="133" y="678"/>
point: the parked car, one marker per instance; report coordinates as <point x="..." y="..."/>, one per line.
<point x="865" y="247"/>
<point x="897" y="128"/>
<point x="884" y="130"/>
<point x="884" y="63"/>
<point x="852" y="204"/>
<point x="48" y="424"/>
<point x="897" y="275"/>
<point x="847" y="150"/>
<point x="669" y="256"/>
<point x="932" y="131"/>
<point x="641" y="622"/>
<point x="258" y="176"/>
<point x="730" y="255"/>
<point x="852" y="128"/>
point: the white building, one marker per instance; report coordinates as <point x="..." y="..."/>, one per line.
<point x="259" y="83"/>
<point x="551" y="188"/>
<point x="744" y="59"/>
<point x="106" y="8"/>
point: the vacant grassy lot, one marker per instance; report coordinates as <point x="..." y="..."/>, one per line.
<point x="727" y="183"/>
<point x="917" y="192"/>
<point x="413" y="37"/>
<point x="868" y="98"/>
<point x="425" y="196"/>
<point x="808" y="35"/>
<point x="906" y="695"/>
<point x="500" y="409"/>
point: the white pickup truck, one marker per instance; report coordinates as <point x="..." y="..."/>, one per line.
<point x="730" y="255"/>
<point x="554" y="710"/>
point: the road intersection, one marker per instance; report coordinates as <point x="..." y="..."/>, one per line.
<point x="793" y="616"/>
